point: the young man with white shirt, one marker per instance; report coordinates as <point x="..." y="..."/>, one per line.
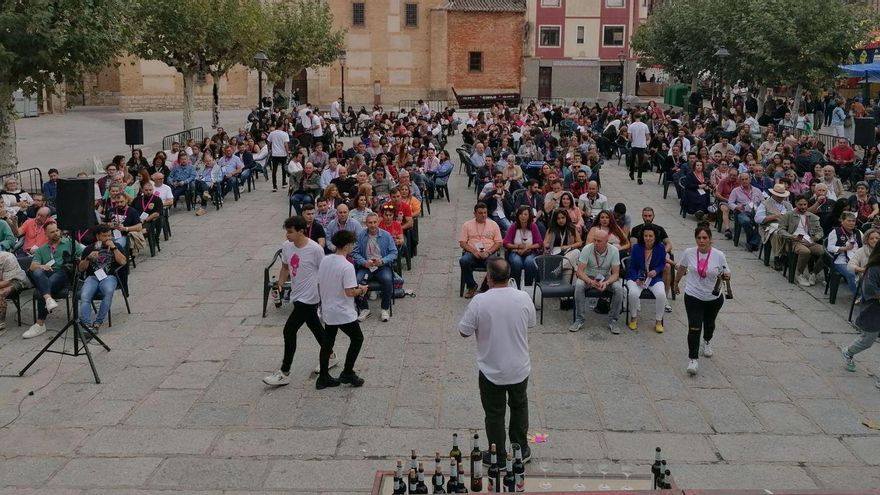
<point x="337" y="286"/>
<point x="279" y="149"/>
<point x="300" y="259"/>
<point x="499" y="319"/>
<point x="639" y="135"/>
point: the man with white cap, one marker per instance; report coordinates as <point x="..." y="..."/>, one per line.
<point x="767" y="217"/>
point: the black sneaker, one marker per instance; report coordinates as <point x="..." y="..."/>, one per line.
<point x="778" y="264"/>
<point x="699" y="215"/>
<point x="728" y="234"/>
<point x="350" y="378"/>
<point x="326" y="381"/>
<point x="640" y="182"/>
<point x="487" y="460"/>
<point x="526" y="454"/>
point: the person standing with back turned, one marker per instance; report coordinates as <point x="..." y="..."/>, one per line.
<point x="500" y="319"/>
<point x="868" y="320"/>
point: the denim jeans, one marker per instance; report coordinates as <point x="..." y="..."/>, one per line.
<point x="503" y="223"/>
<point x="748" y="225"/>
<point x="229" y="184"/>
<point x="863" y="342"/>
<point x="297" y="200"/>
<point x="580" y="300"/>
<point x="847" y="275"/>
<point x="468" y="262"/>
<point x="90" y="287"/>
<point x="385" y="276"/>
<point x="47" y="282"/>
<point x="178" y="191"/>
<point x="518" y="262"/>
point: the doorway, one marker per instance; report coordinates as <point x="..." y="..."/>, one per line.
<point x="545" y="83"/>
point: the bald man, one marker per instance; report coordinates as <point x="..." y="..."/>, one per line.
<point x="598" y="270"/>
<point x="341" y="222"/>
<point x="163" y="190"/>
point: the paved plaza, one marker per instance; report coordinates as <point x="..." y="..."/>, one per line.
<point x="182" y="406"/>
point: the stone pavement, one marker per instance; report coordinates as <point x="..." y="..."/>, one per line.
<point x="182" y="407"/>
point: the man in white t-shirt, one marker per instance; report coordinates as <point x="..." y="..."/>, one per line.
<point x="639" y="135"/>
<point x="317" y="127"/>
<point x="337" y="285"/>
<point x="336" y="110"/>
<point x="300" y="259"/>
<point x="163" y="190"/>
<point x="499" y="319"/>
<point x="279" y="149"/>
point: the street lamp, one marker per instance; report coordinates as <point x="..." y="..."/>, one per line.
<point x="721" y="54"/>
<point x="260" y="58"/>
<point x="621" y="58"/>
<point x="342" y="72"/>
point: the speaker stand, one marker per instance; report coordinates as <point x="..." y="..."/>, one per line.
<point x="80" y="343"/>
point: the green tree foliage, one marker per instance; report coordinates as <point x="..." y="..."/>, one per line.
<point x="302" y="37"/>
<point x="47" y="42"/>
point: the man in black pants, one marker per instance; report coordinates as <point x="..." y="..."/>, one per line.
<point x="300" y="259"/>
<point x="499" y="319"/>
<point x="279" y="151"/>
<point x="337" y="285"/>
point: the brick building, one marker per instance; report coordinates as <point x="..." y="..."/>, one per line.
<point x="574" y="48"/>
<point x="419" y="49"/>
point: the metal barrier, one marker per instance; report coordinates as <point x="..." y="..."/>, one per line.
<point x="197" y="133"/>
<point x="29" y="179"/>
<point x="526" y="100"/>
<point x="828" y="140"/>
<point x="434" y="105"/>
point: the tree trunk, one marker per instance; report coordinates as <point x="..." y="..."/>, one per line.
<point x="8" y="156"/>
<point x="288" y="90"/>
<point x="694" y="82"/>
<point x="795" y="107"/>
<point x="215" y="105"/>
<point x="762" y="99"/>
<point x="188" y="103"/>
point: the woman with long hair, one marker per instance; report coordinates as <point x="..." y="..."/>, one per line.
<point x="696" y="191"/>
<point x="523" y="242"/>
<point x="868" y="320"/>
<point x="137" y="161"/>
<point x="360" y="208"/>
<point x="563" y="238"/>
<point x="703" y="265"/>
<point x="645" y="271"/>
<point x="331" y="195"/>
<point x="605" y="221"/>
<point x="568" y="204"/>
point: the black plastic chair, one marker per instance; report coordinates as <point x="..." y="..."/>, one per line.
<point x="852" y="305"/>
<point x="550" y="278"/>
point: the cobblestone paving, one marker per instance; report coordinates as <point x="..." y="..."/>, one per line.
<point x="182" y="408"/>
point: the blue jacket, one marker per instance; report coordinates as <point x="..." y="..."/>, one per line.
<point x="386" y="247"/>
<point x="185" y="174"/>
<point x="637" y="262"/>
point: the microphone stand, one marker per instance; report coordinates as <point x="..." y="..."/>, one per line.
<point x="81" y="335"/>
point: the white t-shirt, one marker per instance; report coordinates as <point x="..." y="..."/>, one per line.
<point x="697" y="286"/>
<point x="164" y="192"/>
<point x="277" y="139"/>
<point x="303" y="265"/>
<point x="334" y="276"/>
<point x="500" y="319"/>
<point x="318" y="130"/>
<point x="335" y="110"/>
<point x="639" y="134"/>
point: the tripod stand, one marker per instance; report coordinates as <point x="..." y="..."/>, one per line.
<point x="80" y="344"/>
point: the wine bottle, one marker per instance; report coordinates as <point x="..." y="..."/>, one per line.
<point x="667" y="478"/>
<point x="655" y="468"/>
<point x="452" y="484"/>
<point x="455" y="453"/>
<point x="413" y="481"/>
<point x="509" y="478"/>
<point x="493" y="472"/>
<point x="399" y="484"/>
<point x="460" y="487"/>
<point x="412" y="460"/>
<point x="421" y="487"/>
<point x="437" y="480"/>
<point x="519" y="469"/>
<point x="476" y="465"/>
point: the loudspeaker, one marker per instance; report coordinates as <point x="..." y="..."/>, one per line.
<point x="865" y="133"/>
<point x="134" y="132"/>
<point x="75" y="204"/>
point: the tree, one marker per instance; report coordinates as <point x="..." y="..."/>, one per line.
<point x="44" y="43"/>
<point x="303" y="37"/>
<point x="234" y="37"/>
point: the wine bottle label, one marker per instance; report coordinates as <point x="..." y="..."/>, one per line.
<point x="491" y="485"/>
<point x="478" y="469"/>
<point x="520" y="482"/>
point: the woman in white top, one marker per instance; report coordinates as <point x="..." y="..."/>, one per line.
<point x="859" y="259"/>
<point x="703" y="266"/>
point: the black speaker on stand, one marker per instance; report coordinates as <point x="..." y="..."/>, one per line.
<point x="75" y="202"/>
<point x="865" y="132"/>
<point x="134" y="132"/>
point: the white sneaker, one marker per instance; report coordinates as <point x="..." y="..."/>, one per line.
<point x="576" y="326"/>
<point x="365" y="313"/>
<point x="693" y="364"/>
<point x="384" y="315"/>
<point x="34" y="331"/>
<point x="812" y="278"/>
<point x="707" y="349"/>
<point x="51" y="304"/>
<point x="333" y="362"/>
<point x="277" y="379"/>
<point x="803" y="280"/>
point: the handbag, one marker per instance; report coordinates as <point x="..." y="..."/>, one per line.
<point x="603" y="305"/>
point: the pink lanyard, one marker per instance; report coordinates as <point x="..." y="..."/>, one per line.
<point x="703" y="265"/>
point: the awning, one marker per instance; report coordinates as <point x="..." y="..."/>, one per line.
<point x="862" y="71"/>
